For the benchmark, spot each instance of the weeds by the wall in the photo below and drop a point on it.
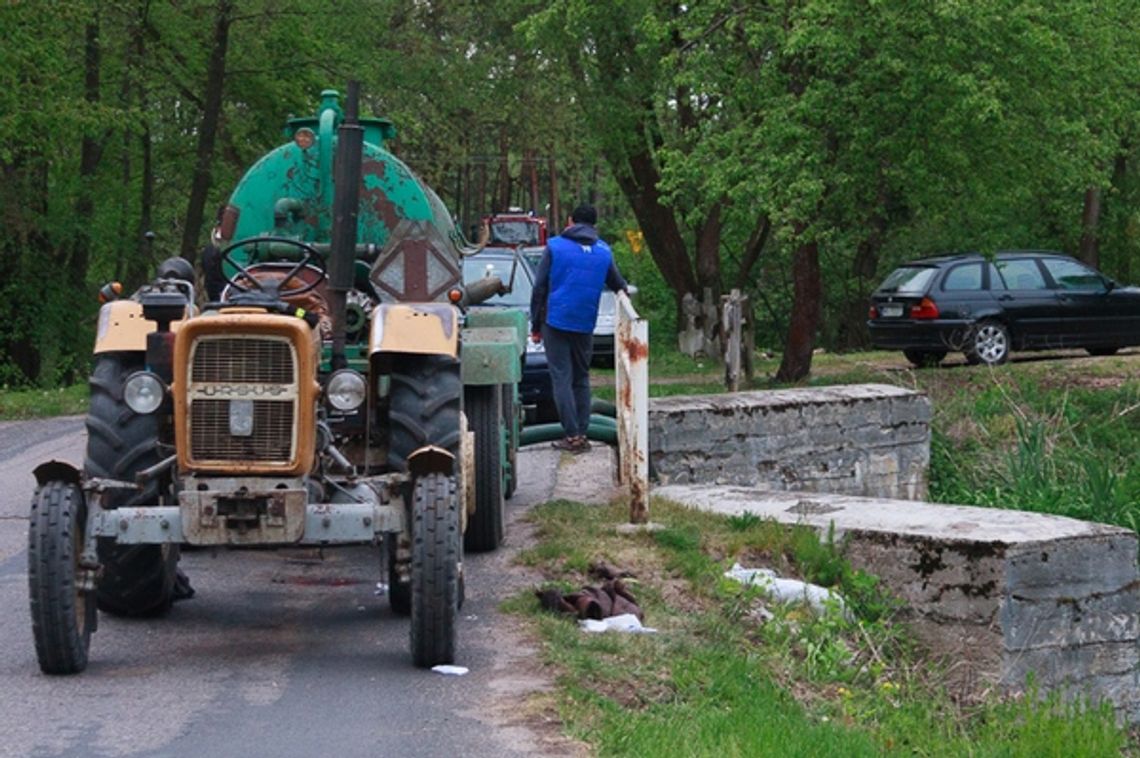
(1068, 450)
(730, 673)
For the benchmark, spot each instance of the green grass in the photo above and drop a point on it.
(36, 403)
(718, 680)
(1055, 436)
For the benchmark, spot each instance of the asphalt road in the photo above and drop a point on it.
(282, 653)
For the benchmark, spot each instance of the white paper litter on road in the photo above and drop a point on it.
(819, 599)
(448, 670)
(626, 622)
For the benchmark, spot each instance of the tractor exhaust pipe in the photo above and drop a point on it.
(346, 203)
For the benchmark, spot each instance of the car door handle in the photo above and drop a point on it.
(1005, 297)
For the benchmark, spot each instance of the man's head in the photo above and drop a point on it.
(584, 214)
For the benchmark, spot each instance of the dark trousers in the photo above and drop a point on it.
(568, 356)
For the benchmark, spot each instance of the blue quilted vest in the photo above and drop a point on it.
(577, 276)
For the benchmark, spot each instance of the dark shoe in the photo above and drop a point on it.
(575, 445)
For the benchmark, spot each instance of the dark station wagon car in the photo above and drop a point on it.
(1024, 300)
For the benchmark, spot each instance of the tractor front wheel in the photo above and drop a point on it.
(63, 614)
(436, 569)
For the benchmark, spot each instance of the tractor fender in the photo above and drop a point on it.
(423, 328)
(430, 459)
(122, 327)
(57, 471)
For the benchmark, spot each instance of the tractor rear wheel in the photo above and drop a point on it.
(423, 407)
(511, 419)
(137, 580)
(436, 569)
(63, 615)
(485, 415)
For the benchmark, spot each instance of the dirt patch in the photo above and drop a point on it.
(521, 703)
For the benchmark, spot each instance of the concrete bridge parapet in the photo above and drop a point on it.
(868, 439)
(1003, 595)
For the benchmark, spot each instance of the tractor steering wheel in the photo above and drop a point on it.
(246, 281)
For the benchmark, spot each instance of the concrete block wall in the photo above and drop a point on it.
(1000, 595)
(870, 439)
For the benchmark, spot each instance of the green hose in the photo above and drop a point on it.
(601, 429)
(603, 407)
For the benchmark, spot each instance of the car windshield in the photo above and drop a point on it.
(911, 280)
(476, 267)
(514, 233)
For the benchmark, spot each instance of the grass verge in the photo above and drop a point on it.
(39, 403)
(730, 673)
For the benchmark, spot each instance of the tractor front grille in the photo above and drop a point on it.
(258, 360)
(243, 397)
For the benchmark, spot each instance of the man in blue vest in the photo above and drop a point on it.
(564, 308)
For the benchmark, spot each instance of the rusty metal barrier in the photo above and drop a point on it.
(631, 364)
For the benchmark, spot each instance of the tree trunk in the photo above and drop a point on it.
(752, 250)
(851, 333)
(555, 217)
(1090, 219)
(207, 131)
(91, 153)
(145, 235)
(532, 169)
(708, 253)
(26, 255)
(481, 191)
(503, 201)
(639, 178)
(470, 213)
(1123, 259)
(807, 296)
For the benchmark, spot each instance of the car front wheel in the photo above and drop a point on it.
(989, 344)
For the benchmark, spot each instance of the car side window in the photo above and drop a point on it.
(967, 277)
(1022, 274)
(1072, 276)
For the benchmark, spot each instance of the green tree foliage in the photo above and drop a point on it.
(797, 149)
(879, 131)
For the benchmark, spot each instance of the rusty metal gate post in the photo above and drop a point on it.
(631, 361)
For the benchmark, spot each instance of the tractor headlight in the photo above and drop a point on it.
(346, 390)
(143, 392)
